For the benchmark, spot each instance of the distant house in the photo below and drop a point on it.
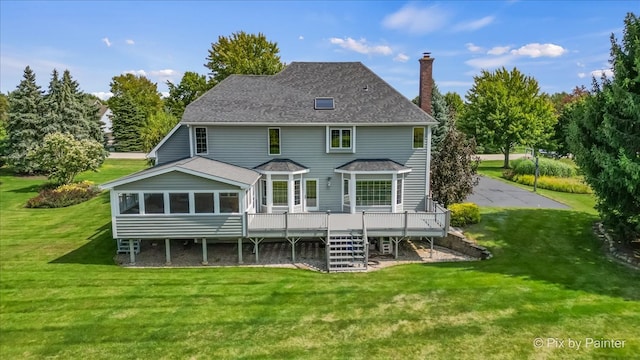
(323, 151)
(105, 117)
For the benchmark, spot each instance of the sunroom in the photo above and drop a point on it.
(373, 185)
(191, 198)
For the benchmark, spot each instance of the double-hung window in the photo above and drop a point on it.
(340, 139)
(201, 141)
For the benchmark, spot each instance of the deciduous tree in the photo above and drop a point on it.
(63, 157)
(157, 126)
(191, 86)
(243, 53)
(605, 136)
(134, 100)
(505, 108)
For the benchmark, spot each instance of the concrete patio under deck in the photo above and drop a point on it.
(310, 255)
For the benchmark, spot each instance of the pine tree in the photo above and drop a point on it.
(605, 136)
(441, 114)
(127, 123)
(25, 123)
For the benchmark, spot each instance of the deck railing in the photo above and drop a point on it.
(327, 222)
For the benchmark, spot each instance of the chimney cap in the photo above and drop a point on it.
(426, 55)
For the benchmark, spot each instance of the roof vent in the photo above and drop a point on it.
(324, 103)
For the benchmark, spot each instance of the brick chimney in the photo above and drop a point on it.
(426, 82)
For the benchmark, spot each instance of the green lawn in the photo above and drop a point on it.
(61, 296)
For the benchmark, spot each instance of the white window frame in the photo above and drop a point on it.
(341, 149)
(216, 202)
(269, 141)
(391, 197)
(413, 136)
(317, 206)
(206, 140)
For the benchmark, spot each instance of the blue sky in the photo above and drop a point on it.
(560, 43)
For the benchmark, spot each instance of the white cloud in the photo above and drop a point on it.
(498, 50)
(102, 95)
(490, 62)
(106, 41)
(300, 37)
(136, 72)
(473, 48)
(581, 75)
(416, 20)
(579, 64)
(401, 57)
(535, 50)
(130, 42)
(163, 73)
(474, 25)
(598, 73)
(454, 83)
(361, 46)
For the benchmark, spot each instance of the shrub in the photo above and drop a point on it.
(64, 195)
(568, 185)
(463, 214)
(547, 167)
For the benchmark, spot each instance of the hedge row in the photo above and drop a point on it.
(547, 167)
(568, 185)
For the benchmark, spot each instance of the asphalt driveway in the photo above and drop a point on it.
(495, 193)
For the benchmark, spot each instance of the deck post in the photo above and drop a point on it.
(240, 250)
(256, 242)
(167, 251)
(326, 247)
(132, 253)
(293, 242)
(431, 252)
(205, 257)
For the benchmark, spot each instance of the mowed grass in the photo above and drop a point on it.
(61, 296)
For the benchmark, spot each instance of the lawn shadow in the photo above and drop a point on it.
(554, 246)
(98, 251)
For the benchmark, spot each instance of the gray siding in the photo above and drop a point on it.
(247, 146)
(175, 148)
(178, 227)
(175, 181)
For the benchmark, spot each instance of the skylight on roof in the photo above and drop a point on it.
(324, 103)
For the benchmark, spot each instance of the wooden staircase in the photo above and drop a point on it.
(347, 252)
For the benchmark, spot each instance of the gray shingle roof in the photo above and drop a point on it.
(360, 96)
(373, 165)
(281, 165)
(198, 166)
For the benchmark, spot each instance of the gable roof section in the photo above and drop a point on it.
(154, 152)
(197, 166)
(360, 97)
(373, 166)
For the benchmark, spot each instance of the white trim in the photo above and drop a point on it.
(190, 131)
(269, 141)
(346, 124)
(341, 149)
(206, 140)
(167, 203)
(164, 139)
(265, 172)
(304, 191)
(428, 166)
(404, 171)
(111, 185)
(114, 212)
(413, 129)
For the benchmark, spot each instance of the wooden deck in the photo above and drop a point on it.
(324, 225)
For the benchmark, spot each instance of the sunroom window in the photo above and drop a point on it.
(179, 203)
(280, 193)
(129, 203)
(154, 203)
(204, 203)
(229, 203)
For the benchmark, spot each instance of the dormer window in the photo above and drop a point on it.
(324, 103)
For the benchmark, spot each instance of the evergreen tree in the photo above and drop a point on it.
(4, 115)
(605, 136)
(134, 100)
(441, 114)
(25, 123)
